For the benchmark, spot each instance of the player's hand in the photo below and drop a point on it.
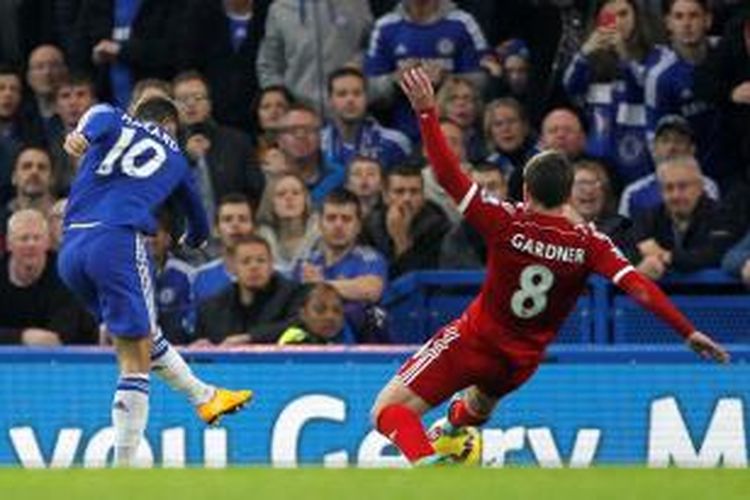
(600, 39)
(415, 82)
(741, 93)
(652, 266)
(491, 63)
(707, 348)
(236, 340)
(106, 51)
(75, 144)
(197, 146)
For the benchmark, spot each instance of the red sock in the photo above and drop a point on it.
(404, 428)
(459, 414)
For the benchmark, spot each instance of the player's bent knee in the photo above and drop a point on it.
(133, 354)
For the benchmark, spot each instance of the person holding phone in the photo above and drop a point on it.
(606, 79)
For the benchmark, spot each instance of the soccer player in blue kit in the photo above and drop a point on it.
(129, 166)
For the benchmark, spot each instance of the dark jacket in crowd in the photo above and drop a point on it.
(151, 50)
(427, 230)
(707, 238)
(463, 248)
(231, 162)
(207, 46)
(621, 231)
(272, 311)
(726, 68)
(45, 304)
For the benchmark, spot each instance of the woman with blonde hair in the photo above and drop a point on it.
(288, 221)
(459, 101)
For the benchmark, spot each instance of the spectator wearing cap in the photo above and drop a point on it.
(674, 137)
(511, 74)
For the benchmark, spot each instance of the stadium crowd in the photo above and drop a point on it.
(308, 157)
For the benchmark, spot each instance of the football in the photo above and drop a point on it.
(464, 445)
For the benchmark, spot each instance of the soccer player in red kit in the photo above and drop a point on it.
(537, 266)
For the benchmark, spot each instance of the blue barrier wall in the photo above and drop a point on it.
(584, 407)
(421, 302)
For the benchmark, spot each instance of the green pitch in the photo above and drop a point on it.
(354, 484)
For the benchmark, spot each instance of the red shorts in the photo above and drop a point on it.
(453, 360)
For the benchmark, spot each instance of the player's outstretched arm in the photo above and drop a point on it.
(649, 295)
(418, 89)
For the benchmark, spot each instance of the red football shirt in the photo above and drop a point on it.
(537, 264)
(537, 267)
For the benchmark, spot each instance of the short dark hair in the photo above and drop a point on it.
(344, 72)
(189, 75)
(249, 239)
(342, 196)
(321, 286)
(549, 178)
(36, 146)
(363, 158)
(157, 110)
(404, 170)
(666, 5)
(255, 105)
(9, 69)
(233, 199)
(77, 79)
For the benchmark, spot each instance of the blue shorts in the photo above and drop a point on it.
(110, 269)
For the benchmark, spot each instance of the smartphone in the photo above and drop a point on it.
(606, 19)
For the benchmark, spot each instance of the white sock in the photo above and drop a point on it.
(129, 416)
(169, 365)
